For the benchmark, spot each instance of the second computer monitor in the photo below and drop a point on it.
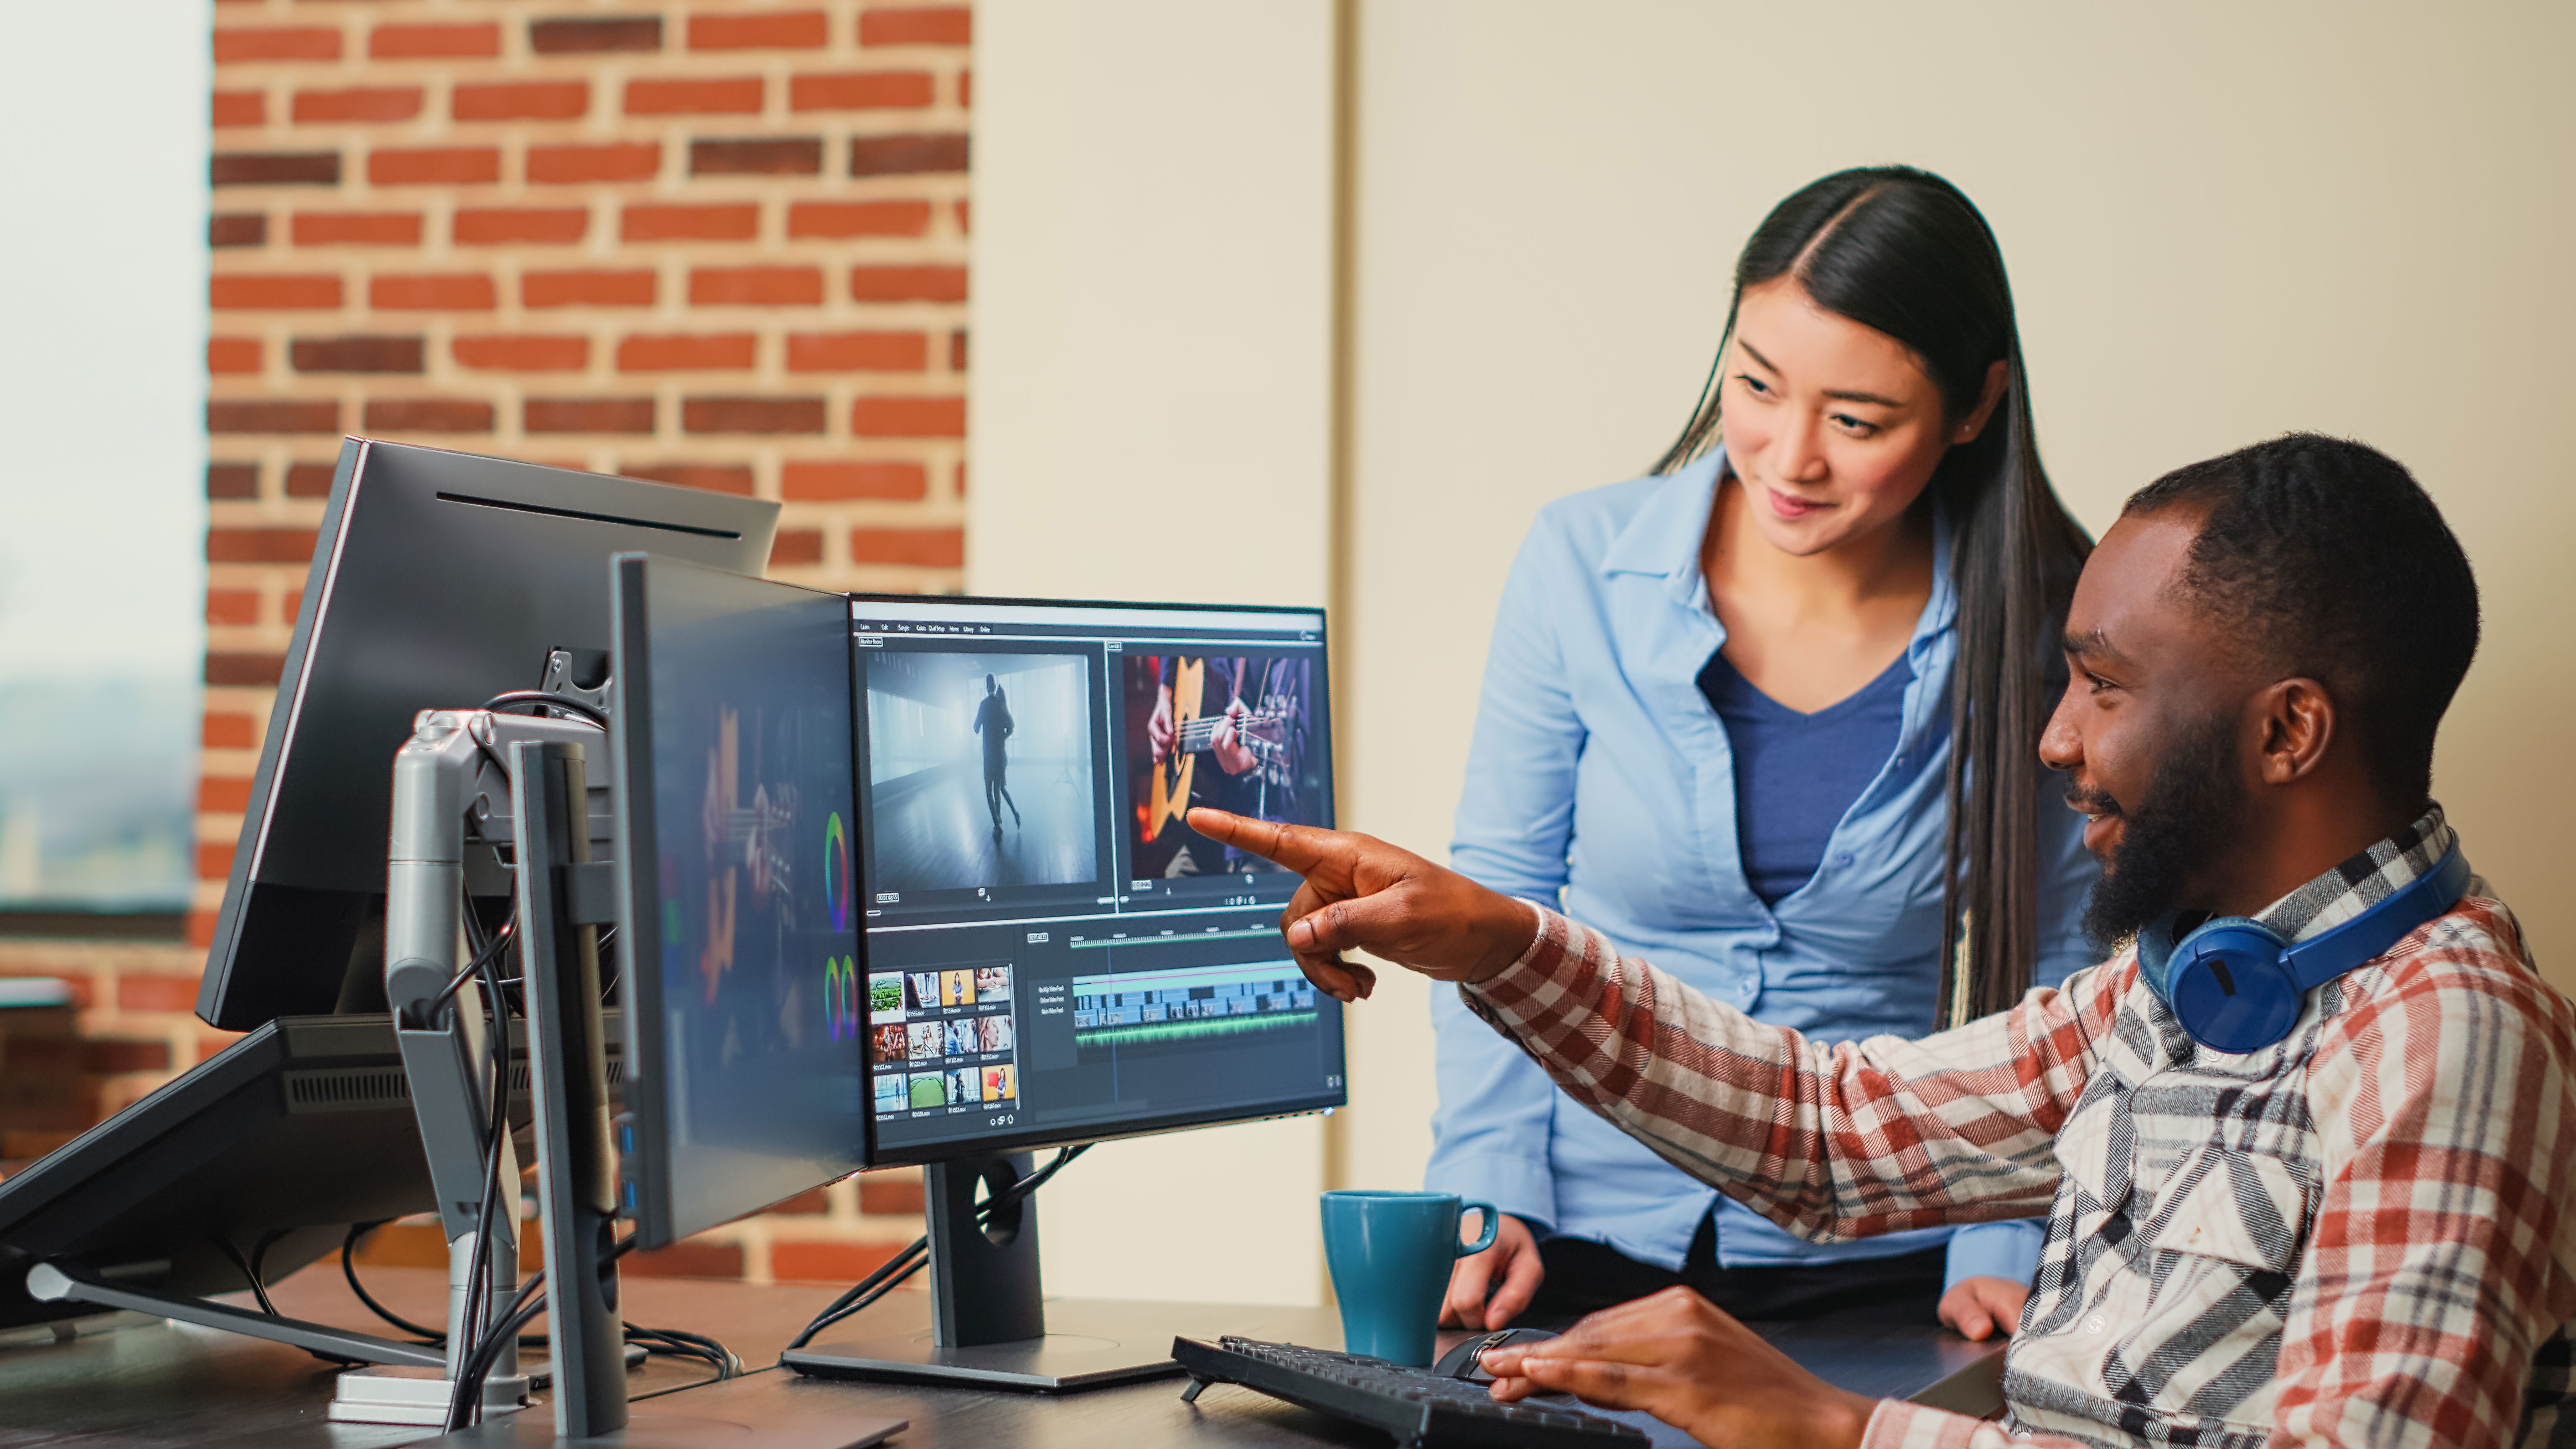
(1052, 954)
(739, 952)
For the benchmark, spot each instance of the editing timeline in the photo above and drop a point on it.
(1049, 946)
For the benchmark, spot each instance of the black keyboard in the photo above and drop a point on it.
(1423, 1410)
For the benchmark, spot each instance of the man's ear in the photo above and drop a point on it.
(2294, 723)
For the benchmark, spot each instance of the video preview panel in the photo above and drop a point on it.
(981, 772)
(1228, 731)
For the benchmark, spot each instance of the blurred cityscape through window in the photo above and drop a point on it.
(102, 452)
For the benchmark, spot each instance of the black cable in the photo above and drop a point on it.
(259, 1265)
(892, 1273)
(673, 1343)
(349, 1270)
(520, 698)
(486, 955)
(479, 1277)
(250, 1276)
(862, 1295)
(609, 968)
(870, 1299)
(901, 1268)
(697, 1341)
(464, 1404)
(468, 1390)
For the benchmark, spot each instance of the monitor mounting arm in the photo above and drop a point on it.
(451, 807)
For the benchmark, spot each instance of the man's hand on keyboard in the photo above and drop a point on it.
(1679, 1358)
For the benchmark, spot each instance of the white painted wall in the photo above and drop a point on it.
(1149, 419)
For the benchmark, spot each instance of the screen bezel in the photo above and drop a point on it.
(644, 1178)
(1039, 1138)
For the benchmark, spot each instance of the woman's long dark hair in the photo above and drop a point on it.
(1906, 253)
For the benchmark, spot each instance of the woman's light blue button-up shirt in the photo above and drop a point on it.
(1599, 778)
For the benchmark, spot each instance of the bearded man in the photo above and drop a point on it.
(2305, 1141)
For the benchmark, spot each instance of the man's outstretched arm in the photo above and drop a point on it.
(1838, 1141)
(1851, 1140)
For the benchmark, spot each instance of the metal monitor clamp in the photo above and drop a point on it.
(454, 820)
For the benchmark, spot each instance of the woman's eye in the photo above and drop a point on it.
(1857, 427)
(1754, 385)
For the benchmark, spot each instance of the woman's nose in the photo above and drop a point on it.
(1795, 454)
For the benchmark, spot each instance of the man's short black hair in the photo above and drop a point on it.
(2336, 566)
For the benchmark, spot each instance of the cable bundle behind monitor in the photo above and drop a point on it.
(894, 1271)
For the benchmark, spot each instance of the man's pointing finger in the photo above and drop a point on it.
(1295, 847)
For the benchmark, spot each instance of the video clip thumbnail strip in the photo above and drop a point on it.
(943, 1040)
(1189, 1004)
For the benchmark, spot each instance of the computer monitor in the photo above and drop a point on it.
(1052, 955)
(732, 729)
(993, 789)
(439, 580)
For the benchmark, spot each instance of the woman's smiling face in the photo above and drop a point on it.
(1834, 428)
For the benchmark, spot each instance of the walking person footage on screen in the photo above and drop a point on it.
(1721, 723)
(2305, 1138)
(993, 721)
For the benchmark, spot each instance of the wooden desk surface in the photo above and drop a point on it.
(143, 1382)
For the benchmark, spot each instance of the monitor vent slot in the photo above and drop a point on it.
(346, 1089)
(519, 1076)
(365, 1089)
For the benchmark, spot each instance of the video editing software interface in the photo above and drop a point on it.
(1051, 951)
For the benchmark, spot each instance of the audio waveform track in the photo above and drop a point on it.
(1190, 1029)
(1189, 1004)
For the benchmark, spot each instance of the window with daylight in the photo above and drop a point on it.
(102, 280)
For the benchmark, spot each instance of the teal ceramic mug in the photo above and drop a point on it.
(1389, 1253)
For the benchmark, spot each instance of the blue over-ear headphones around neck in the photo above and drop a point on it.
(2236, 986)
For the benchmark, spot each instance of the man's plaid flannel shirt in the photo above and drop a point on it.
(2361, 1235)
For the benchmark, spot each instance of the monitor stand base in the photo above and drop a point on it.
(1089, 1344)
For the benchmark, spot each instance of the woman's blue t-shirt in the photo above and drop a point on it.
(1797, 774)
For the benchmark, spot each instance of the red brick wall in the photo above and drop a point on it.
(714, 244)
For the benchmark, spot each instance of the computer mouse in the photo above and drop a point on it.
(1466, 1361)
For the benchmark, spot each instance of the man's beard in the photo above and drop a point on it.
(2190, 810)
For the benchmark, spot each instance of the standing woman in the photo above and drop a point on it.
(1769, 716)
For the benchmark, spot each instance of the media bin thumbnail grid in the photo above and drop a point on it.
(1189, 1004)
(942, 1040)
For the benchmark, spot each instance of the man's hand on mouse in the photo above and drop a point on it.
(1361, 893)
(1678, 1357)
